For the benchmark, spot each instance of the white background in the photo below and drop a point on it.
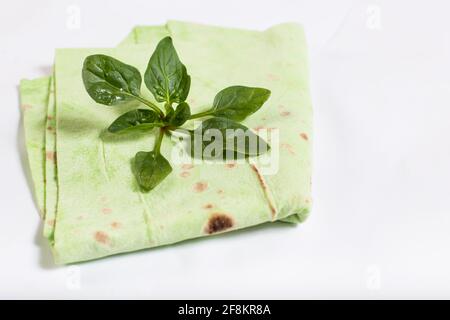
(380, 226)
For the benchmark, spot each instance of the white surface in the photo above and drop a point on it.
(380, 226)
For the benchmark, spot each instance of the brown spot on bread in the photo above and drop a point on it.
(49, 128)
(200, 186)
(51, 222)
(187, 166)
(208, 206)
(115, 225)
(259, 128)
(260, 178)
(304, 136)
(218, 222)
(288, 147)
(49, 118)
(106, 210)
(220, 191)
(101, 237)
(283, 112)
(230, 165)
(263, 184)
(50, 155)
(185, 174)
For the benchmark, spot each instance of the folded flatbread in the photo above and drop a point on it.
(83, 180)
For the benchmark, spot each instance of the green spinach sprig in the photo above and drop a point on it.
(111, 82)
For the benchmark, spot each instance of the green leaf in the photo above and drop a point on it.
(150, 169)
(237, 139)
(138, 119)
(238, 102)
(109, 81)
(166, 77)
(178, 117)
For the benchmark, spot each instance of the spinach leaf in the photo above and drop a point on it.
(138, 119)
(150, 169)
(166, 77)
(237, 140)
(238, 102)
(178, 117)
(109, 81)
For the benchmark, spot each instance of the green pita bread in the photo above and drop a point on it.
(93, 207)
(34, 97)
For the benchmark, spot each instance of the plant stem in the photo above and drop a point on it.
(151, 105)
(168, 107)
(159, 140)
(199, 115)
